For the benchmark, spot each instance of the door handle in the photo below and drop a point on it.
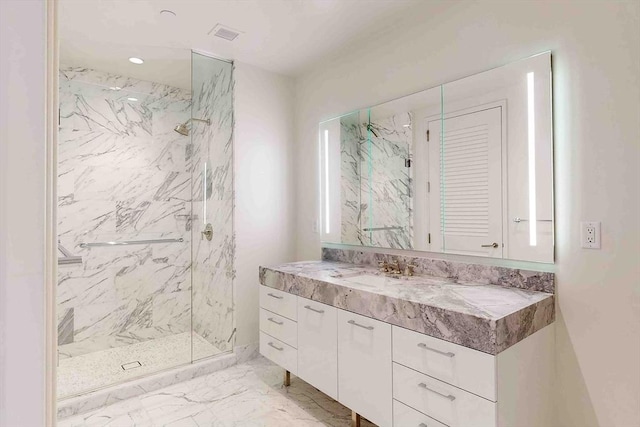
(492, 245)
(353, 322)
(308, 307)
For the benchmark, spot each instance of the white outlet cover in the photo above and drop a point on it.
(590, 234)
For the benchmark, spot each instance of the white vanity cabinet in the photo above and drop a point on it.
(318, 345)
(364, 367)
(396, 377)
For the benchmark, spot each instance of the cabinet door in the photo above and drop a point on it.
(364, 367)
(318, 345)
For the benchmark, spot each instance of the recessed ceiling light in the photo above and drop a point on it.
(132, 99)
(167, 12)
(136, 61)
(115, 88)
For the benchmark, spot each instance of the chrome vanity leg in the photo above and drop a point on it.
(355, 419)
(287, 378)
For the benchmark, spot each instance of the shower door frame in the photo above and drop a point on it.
(50, 220)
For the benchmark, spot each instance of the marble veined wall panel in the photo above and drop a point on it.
(351, 140)
(123, 174)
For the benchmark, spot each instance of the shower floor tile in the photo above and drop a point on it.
(248, 395)
(91, 371)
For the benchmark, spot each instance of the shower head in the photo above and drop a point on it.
(183, 129)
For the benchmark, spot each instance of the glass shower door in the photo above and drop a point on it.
(386, 179)
(213, 245)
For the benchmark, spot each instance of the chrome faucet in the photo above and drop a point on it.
(395, 267)
(383, 266)
(408, 269)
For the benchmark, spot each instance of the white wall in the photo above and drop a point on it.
(264, 185)
(22, 207)
(595, 47)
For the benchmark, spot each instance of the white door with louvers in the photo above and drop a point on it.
(465, 170)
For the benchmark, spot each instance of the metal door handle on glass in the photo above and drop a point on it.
(208, 232)
(492, 245)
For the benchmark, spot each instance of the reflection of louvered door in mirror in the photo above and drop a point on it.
(466, 175)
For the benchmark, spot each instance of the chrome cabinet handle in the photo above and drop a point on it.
(424, 386)
(422, 425)
(308, 307)
(275, 296)
(492, 245)
(444, 353)
(271, 319)
(353, 322)
(275, 346)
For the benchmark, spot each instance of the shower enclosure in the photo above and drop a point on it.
(145, 220)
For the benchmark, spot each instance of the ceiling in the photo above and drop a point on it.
(283, 36)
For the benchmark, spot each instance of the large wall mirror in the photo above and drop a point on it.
(462, 168)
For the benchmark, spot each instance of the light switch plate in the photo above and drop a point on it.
(590, 234)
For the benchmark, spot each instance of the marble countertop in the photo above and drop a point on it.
(489, 318)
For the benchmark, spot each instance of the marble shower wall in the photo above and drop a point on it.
(376, 182)
(123, 174)
(213, 261)
(351, 140)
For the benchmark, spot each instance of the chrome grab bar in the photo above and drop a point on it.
(68, 257)
(447, 353)
(354, 323)
(130, 242)
(449, 396)
(383, 228)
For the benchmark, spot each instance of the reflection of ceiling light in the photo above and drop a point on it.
(136, 61)
(115, 88)
(406, 126)
(166, 12)
(132, 99)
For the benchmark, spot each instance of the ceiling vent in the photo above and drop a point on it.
(224, 32)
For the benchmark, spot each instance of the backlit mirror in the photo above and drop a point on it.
(463, 168)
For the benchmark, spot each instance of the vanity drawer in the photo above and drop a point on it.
(463, 367)
(278, 352)
(441, 401)
(282, 303)
(279, 327)
(404, 416)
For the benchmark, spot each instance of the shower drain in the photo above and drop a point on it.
(131, 365)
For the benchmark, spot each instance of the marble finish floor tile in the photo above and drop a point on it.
(248, 395)
(91, 371)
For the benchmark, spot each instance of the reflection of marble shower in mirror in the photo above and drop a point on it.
(183, 129)
(463, 173)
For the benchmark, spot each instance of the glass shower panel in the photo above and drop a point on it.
(213, 245)
(124, 186)
(386, 178)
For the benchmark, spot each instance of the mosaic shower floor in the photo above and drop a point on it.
(91, 371)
